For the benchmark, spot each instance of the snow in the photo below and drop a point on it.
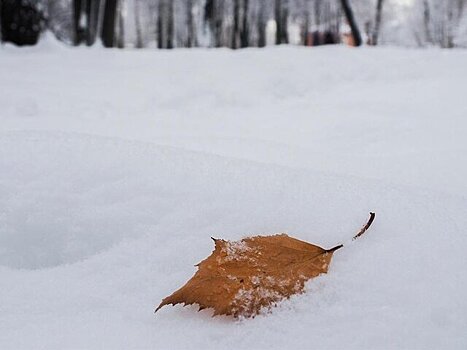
(116, 168)
(236, 250)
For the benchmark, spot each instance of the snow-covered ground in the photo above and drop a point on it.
(116, 167)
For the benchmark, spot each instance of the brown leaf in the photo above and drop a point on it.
(241, 278)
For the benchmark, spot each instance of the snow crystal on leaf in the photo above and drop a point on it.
(236, 250)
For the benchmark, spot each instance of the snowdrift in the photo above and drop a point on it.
(117, 167)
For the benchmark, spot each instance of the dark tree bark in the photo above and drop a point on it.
(139, 32)
(160, 25)
(209, 16)
(213, 16)
(427, 21)
(20, 22)
(121, 28)
(77, 12)
(236, 25)
(191, 40)
(305, 27)
(165, 25)
(240, 32)
(92, 10)
(352, 22)
(209, 11)
(281, 17)
(261, 25)
(85, 31)
(170, 25)
(449, 42)
(1, 22)
(108, 25)
(245, 32)
(278, 20)
(377, 28)
(219, 24)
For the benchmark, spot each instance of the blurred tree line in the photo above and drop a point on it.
(235, 24)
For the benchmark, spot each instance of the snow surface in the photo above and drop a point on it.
(116, 167)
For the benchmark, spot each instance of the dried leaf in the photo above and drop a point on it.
(241, 278)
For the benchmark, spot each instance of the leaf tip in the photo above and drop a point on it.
(158, 308)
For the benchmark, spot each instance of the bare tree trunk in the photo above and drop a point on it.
(121, 27)
(165, 24)
(108, 25)
(213, 16)
(236, 25)
(139, 33)
(92, 10)
(209, 16)
(449, 42)
(454, 16)
(85, 20)
(357, 38)
(219, 23)
(285, 22)
(427, 21)
(281, 19)
(245, 32)
(170, 25)
(160, 25)
(261, 25)
(305, 30)
(277, 18)
(240, 32)
(191, 34)
(376, 29)
(77, 30)
(1, 21)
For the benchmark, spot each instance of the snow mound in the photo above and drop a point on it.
(107, 199)
(142, 215)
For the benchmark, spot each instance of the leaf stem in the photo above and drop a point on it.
(361, 232)
(366, 227)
